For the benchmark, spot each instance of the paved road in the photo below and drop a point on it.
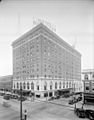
(6, 113)
(39, 110)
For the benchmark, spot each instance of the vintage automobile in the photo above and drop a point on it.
(23, 98)
(71, 102)
(51, 98)
(89, 114)
(79, 98)
(7, 97)
(80, 112)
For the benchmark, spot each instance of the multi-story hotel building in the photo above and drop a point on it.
(45, 64)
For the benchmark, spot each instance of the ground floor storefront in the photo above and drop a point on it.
(88, 98)
(47, 93)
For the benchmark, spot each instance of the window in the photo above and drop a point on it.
(45, 86)
(20, 85)
(32, 86)
(56, 85)
(93, 76)
(45, 75)
(14, 86)
(67, 85)
(63, 84)
(86, 77)
(37, 87)
(17, 85)
(27, 85)
(50, 87)
(60, 85)
(24, 85)
(87, 88)
(37, 76)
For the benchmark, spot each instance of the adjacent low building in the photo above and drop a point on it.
(45, 64)
(88, 85)
(6, 83)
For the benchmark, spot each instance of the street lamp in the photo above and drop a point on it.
(20, 102)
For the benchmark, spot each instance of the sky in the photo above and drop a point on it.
(73, 20)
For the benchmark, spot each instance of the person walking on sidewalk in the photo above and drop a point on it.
(25, 115)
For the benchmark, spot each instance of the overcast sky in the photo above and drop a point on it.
(73, 20)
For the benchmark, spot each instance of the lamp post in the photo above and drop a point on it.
(20, 102)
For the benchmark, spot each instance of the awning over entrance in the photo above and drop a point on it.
(24, 92)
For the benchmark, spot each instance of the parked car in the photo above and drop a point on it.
(14, 96)
(80, 112)
(23, 98)
(79, 98)
(7, 97)
(71, 102)
(66, 95)
(2, 93)
(75, 100)
(51, 98)
(89, 114)
(57, 97)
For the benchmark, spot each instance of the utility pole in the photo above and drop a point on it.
(20, 102)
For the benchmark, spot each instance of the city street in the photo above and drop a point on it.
(40, 110)
(7, 113)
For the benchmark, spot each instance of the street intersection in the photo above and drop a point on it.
(39, 110)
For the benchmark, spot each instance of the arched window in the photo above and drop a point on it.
(67, 85)
(63, 84)
(93, 76)
(55, 85)
(20, 85)
(45, 86)
(17, 85)
(50, 85)
(24, 85)
(27, 85)
(60, 85)
(32, 86)
(86, 77)
(37, 85)
(14, 86)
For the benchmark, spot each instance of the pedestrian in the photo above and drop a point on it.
(25, 115)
